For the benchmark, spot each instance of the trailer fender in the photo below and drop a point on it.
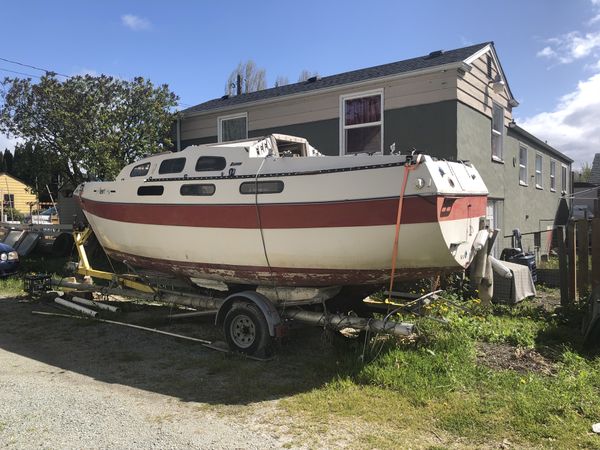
(263, 303)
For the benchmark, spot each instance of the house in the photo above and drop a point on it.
(454, 104)
(16, 194)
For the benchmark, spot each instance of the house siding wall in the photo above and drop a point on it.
(313, 108)
(22, 193)
(429, 128)
(524, 207)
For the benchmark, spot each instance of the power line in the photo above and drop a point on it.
(19, 73)
(33, 67)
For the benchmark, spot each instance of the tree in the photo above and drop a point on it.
(253, 79)
(88, 125)
(306, 74)
(281, 80)
(585, 173)
(35, 167)
(7, 163)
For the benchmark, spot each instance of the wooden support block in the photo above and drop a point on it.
(571, 261)
(563, 267)
(583, 253)
(595, 253)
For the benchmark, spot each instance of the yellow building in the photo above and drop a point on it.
(15, 193)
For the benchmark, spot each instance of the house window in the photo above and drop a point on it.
(563, 186)
(362, 122)
(494, 215)
(523, 166)
(553, 176)
(173, 165)
(232, 128)
(538, 172)
(9, 200)
(497, 132)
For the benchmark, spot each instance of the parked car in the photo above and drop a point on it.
(9, 260)
(46, 217)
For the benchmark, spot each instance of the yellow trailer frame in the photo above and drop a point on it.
(84, 267)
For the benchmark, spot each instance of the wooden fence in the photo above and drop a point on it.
(579, 259)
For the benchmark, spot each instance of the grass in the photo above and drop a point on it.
(432, 392)
(436, 387)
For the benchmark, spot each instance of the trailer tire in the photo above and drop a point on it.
(246, 330)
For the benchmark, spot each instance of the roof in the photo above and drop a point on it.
(14, 178)
(595, 175)
(526, 134)
(432, 60)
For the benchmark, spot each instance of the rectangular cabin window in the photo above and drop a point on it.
(497, 132)
(362, 122)
(233, 127)
(173, 165)
(264, 187)
(151, 190)
(553, 176)
(197, 189)
(210, 163)
(523, 166)
(140, 170)
(538, 172)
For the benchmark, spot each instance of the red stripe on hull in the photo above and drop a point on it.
(281, 276)
(306, 215)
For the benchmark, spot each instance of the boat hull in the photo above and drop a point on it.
(329, 220)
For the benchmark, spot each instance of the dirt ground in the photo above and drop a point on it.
(68, 383)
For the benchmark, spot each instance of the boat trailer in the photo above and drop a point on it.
(250, 320)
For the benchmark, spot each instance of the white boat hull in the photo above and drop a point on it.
(334, 222)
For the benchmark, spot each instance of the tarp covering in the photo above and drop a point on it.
(515, 289)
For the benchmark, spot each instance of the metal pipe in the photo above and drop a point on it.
(76, 307)
(196, 301)
(339, 322)
(130, 325)
(98, 305)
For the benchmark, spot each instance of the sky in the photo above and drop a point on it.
(549, 49)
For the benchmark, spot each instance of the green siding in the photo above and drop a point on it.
(525, 207)
(428, 128)
(323, 135)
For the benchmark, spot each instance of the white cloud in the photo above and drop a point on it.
(136, 23)
(546, 51)
(594, 19)
(572, 126)
(572, 46)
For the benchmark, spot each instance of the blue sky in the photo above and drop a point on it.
(550, 50)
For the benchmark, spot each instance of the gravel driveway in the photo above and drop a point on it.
(67, 383)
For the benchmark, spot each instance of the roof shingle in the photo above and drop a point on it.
(395, 68)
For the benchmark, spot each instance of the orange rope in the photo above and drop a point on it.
(407, 169)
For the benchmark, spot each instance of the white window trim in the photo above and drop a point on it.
(565, 179)
(552, 189)
(500, 158)
(539, 186)
(521, 182)
(343, 126)
(220, 120)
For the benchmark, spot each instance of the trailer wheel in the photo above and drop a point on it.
(246, 329)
